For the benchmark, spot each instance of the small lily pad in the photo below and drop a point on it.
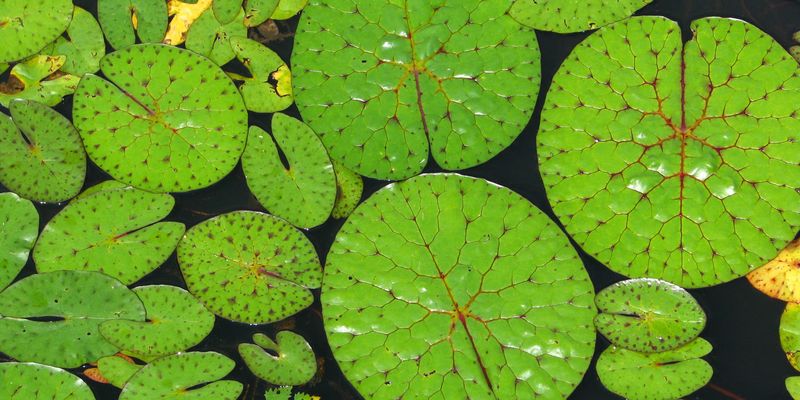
(288, 8)
(349, 187)
(58, 315)
(35, 79)
(249, 267)
(31, 381)
(183, 16)
(793, 387)
(780, 278)
(117, 370)
(304, 191)
(225, 10)
(790, 333)
(567, 16)
(41, 153)
(288, 360)
(85, 46)
(115, 232)
(655, 376)
(258, 11)
(269, 89)
(285, 393)
(122, 20)
(27, 26)
(211, 38)
(19, 226)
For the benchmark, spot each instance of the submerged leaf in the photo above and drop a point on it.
(122, 20)
(288, 8)
(790, 333)
(27, 26)
(85, 46)
(292, 364)
(19, 226)
(31, 381)
(567, 16)
(183, 16)
(211, 38)
(780, 278)
(349, 187)
(270, 87)
(37, 79)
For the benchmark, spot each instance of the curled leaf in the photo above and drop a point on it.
(37, 79)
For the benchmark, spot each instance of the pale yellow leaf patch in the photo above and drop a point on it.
(183, 16)
(780, 278)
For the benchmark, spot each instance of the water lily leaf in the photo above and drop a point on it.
(122, 20)
(567, 16)
(448, 284)
(27, 26)
(225, 10)
(780, 278)
(790, 333)
(459, 78)
(36, 79)
(666, 375)
(41, 153)
(258, 11)
(183, 16)
(303, 192)
(285, 393)
(175, 322)
(349, 187)
(288, 8)
(19, 226)
(249, 267)
(151, 127)
(31, 381)
(648, 315)
(695, 186)
(109, 185)
(85, 46)
(269, 89)
(58, 314)
(175, 377)
(211, 38)
(115, 232)
(117, 370)
(288, 360)
(793, 386)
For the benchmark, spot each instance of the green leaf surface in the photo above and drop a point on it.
(258, 11)
(117, 20)
(27, 26)
(249, 267)
(85, 46)
(655, 376)
(117, 370)
(151, 126)
(304, 191)
(672, 161)
(288, 8)
(285, 393)
(116, 232)
(36, 79)
(225, 11)
(349, 187)
(41, 153)
(269, 88)
(175, 322)
(58, 313)
(448, 285)
(30, 381)
(793, 386)
(109, 185)
(288, 360)
(19, 227)
(790, 333)
(386, 82)
(211, 38)
(567, 16)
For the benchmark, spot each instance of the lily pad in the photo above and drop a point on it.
(183, 17)
(211, 38)
(123, 20)
(117, 370)
(285, 393)
(790, 333)
(459, 80)
(793, 386)
(103, 186)
(58, 313)
(258, 11)
(648, 315)
(349, 187)
(178, 377)
(225, 10)
(303, 191)
(447, 284)
(269, 89)
(249, 267)
(30, 381)
(27, 26)
(780, 278)
(288, 8)
(655, 376)
(85, 46)
(567, 16)
(36, 79)
(665, 161)
(175, 322)
(41, 153)
(288, 360)
(151, 127)
(116, 232)
(19, 226)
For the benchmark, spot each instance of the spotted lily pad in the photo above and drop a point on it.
(448, 284)
(103, 186)
(673, 161)
(225, 10)
(27, 26)
(124, 20)
(175, 322)
(288, 360)
(36, 79)
(648, 315)
(349, 187)
(85, 46)
(258, 11)
(269, 88)
(780, 278)
(31, 381)
(793, 387)
(19, 226)
(249, 267)
(117, 370)
(666, 375)
(790, 333)
(41, 153)
(211, 38)
(458, 79)
(58, 314)
(303, 192)
(285, 393)
(183, 16)
(116, 232)
(151, 126)
(567, 16)
(288, 8)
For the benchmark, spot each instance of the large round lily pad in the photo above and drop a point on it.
(58, 315)
(566, 16)
(166, 120)
(385, 83)
(780, 278)
(445, 284)
(674, 161)
(249, 267)
(292, 364)
(790, 333)
(30, 381)
(27, 26)
(19, 227)
(85, 46)
(124, 20)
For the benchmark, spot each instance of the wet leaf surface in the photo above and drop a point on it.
(19, 227)
(84, 46)
(780, 278)
(125, 20)
(288, 360)
(27, 26)
(269, 88)
(30, 381)
(567, 16)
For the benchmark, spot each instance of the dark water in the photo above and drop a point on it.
(743, 324)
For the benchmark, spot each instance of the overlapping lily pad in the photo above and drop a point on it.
(167, 119)
(674, 161)
(349, 187)
(288, 8)
(288, 360)
(36, 79)
(125, 20)
(567, 16)
(19, 227)
(27, 26)
(258, 11)
(285, 393)
(211, 38)
(269, 88)
(385, 83)
(225, 10)
(184, 15)
(780, 278)
(30, 381)
(249, 267)
(85, 46)
(117, 370)
(447, 284)
(790, 333)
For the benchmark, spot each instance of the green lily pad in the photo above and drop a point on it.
(27, 26)
(648, 315)
(790, 333)
(35, 79)
(175, 377)
(117, 370)
(123, 20)
(226, 10)
(269, 89)
(303, 192)
(175, 322)
(793, 386)
(349, 187)
(258, 11)
(30, 381)
(567, 16)
(109, 185)
(448, 284)
(695, 186)
(249, 267)
(211, 38)
(58, 314)
(115, 232)
(285, 393)
(288, 360)
(458, 80)
(655, 376)
(85, 46)
(152, 128)
(41, 153)
(288, 8)
(19, 227)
